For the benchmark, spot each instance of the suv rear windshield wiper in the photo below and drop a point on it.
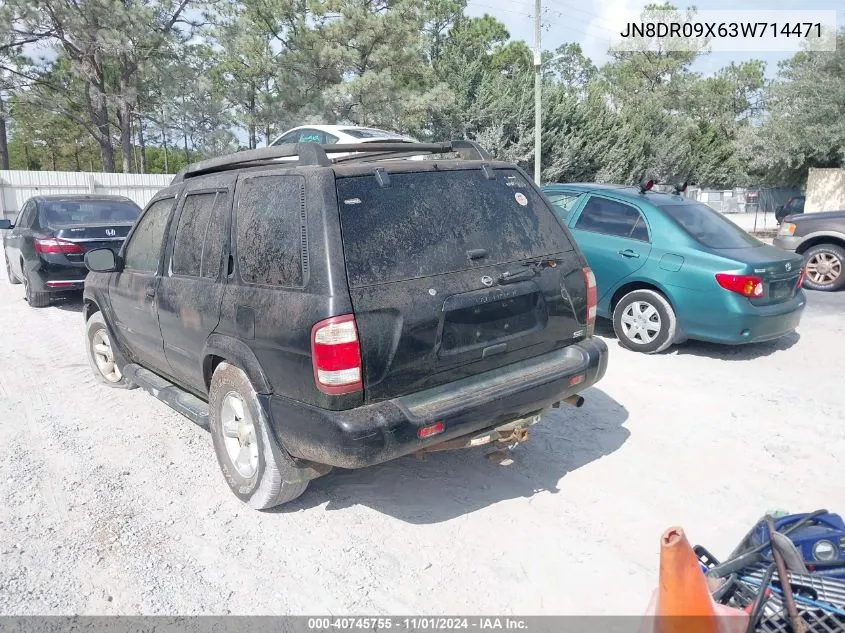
(534, 269)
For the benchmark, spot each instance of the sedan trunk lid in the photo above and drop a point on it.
(779, 271)
(90, 236)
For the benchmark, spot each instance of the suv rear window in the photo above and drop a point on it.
(708, 227)
(423, 223)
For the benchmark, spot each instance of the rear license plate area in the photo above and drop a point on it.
(783, 289)
(482, 325)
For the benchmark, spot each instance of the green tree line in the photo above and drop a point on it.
(148, 85)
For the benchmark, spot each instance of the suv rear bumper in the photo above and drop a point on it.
(377, 433)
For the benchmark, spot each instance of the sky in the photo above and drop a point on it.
(588, 24)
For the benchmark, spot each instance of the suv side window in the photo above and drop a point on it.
(610, 217)
(216, 236)
(271, 237)
(143, 250)
(198, 244)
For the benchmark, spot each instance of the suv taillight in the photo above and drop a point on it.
(53, 245)
(592, 295)
(336, 355)
(745, 285)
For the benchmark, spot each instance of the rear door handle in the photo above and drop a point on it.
(629, 253)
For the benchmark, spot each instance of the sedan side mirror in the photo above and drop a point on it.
(102, 260)
(6, 224)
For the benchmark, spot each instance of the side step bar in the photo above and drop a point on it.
(177, 399)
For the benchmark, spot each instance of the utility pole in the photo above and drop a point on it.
(538, 95)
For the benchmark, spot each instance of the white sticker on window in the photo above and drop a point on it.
(521, 199)
(352, 201)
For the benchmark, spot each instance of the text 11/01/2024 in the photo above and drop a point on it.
(421, 623)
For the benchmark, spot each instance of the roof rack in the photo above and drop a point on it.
(315, 154)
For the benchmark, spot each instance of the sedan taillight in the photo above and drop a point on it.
(745, 285)
(53, 245)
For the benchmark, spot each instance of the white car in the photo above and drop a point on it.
(339, 134)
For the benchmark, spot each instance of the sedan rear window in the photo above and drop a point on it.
(564, 202)
(708, 227)
(64, 212)
(426, 223)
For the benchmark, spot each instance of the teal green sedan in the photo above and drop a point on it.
(670, 269)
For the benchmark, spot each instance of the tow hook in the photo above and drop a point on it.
(514, 439)
(511, 435)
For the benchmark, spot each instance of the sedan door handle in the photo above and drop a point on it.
(629, 253)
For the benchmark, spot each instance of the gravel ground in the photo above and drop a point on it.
(110, 503)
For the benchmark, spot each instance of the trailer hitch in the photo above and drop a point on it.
(512, 434)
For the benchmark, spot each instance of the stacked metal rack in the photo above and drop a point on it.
(812, 600)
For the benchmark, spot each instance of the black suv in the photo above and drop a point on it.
(317, 313)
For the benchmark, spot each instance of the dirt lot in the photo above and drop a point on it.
(111, 503)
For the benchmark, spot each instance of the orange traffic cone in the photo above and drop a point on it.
(683, 603)
(683, 598)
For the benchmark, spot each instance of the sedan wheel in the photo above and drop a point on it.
(644, 321)
(641, 322)
(823, 266)
(10, 274)
(34, 298)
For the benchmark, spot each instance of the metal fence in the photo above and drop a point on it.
(762, 201)
(16, 187)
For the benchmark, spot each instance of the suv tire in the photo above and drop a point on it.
(98, 346)
(832, 258)
(12, 279)
(644, 321)
(256, 468)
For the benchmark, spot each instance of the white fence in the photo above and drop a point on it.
(16, 187)
(762, 201)
(724, 201)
